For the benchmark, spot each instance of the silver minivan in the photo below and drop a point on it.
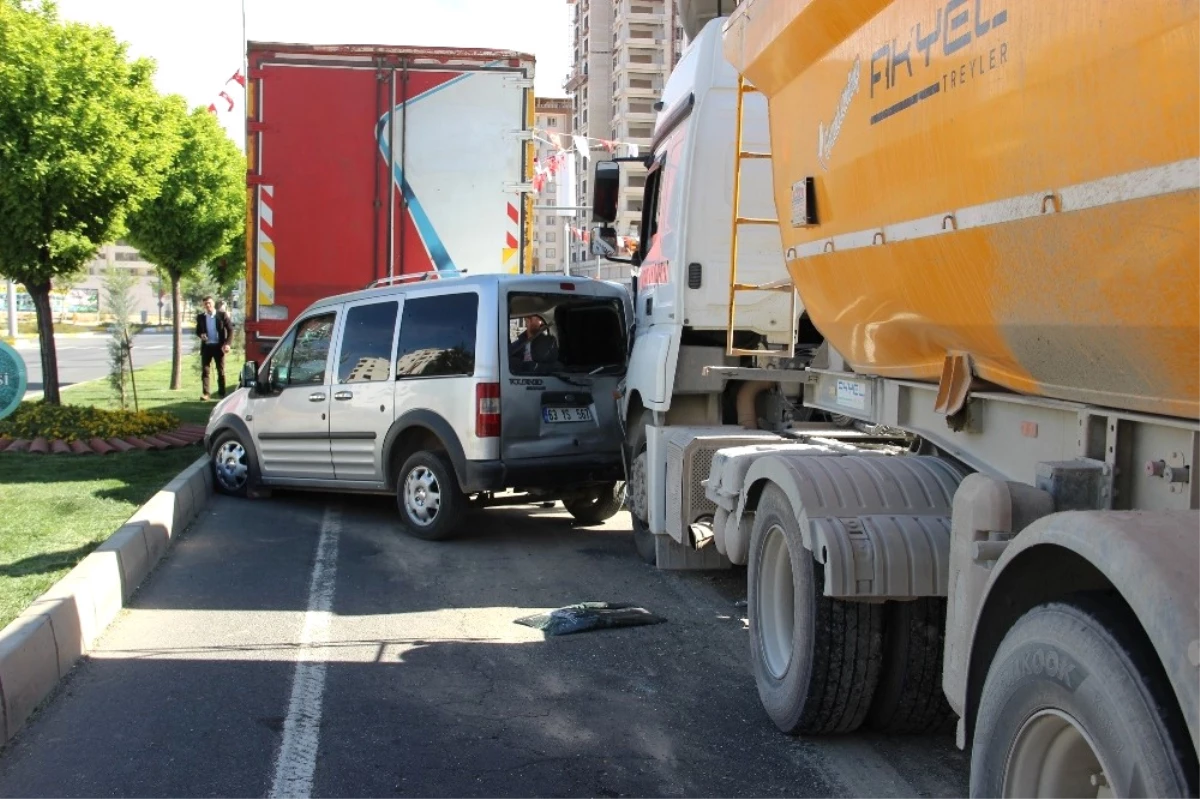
(445, 392)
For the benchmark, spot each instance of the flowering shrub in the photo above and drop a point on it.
(81, 422)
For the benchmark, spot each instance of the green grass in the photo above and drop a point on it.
(55, 509)
(58, 508)
(153, 389)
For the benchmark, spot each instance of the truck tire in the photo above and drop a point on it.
(598, 507)
(635, 452)
(1076, 702)
(909, 698)
(816, 660)
(428, 497)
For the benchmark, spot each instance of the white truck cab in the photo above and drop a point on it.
(681, 270)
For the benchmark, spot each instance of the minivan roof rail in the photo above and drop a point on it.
(415, 276)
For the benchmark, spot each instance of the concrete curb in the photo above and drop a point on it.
(41, 645)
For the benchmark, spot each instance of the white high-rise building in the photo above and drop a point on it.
(551, 230)
(623, 52)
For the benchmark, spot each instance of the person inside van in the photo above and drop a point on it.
(536, 345)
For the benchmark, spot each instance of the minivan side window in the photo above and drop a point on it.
(366, 354)
(311, 350)
(437, 336)
(280, 363)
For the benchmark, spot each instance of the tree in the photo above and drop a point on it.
(197, 212)
(120, 302)
(81, 144)
(229, 267)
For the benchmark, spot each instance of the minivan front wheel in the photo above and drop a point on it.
(234, 469)
(428, 497)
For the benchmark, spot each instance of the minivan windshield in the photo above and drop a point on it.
(552, 333)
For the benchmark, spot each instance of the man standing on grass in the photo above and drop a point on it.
(215, 330)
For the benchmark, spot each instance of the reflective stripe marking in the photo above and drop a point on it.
(1138, 185)
(266, 246)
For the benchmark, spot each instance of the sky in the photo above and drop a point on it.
(198, 45)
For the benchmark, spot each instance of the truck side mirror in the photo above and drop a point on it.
(604, 242)
(606, 185)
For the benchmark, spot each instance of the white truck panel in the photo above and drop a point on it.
(460, 179)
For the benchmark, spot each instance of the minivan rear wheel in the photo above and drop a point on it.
(428, 497)
(598, 505)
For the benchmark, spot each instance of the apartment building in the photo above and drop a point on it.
(151, 293)
(623, 52)
(551, 229)
(83, 299)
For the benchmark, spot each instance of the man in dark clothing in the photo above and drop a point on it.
(215, 330)
(534, 346)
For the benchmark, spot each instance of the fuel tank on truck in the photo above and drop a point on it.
(1016, 180)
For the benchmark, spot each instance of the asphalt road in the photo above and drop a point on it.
(298, 645)
(83, 358)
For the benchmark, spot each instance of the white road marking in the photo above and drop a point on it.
(297, 759)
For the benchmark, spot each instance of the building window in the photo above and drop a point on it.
(550, 236)
(552, 122)
(550, 252)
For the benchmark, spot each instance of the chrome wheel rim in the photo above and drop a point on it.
(230, 465)
(422, 496)
(1053, 756)
(776, 603)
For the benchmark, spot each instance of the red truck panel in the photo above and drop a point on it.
(319, 172)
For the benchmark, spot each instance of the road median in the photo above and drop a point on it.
(48, 638)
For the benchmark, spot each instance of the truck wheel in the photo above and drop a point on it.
(596, 508)
(1076, 703)
(428, 497)
(909, 697)
(635, 451)
(816, 660)
(235, 471)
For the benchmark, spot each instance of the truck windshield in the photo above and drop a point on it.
(551, 333)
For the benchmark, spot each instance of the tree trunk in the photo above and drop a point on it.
(177, 324)
(40, 292)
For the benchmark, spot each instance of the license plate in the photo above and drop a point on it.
(567, 414)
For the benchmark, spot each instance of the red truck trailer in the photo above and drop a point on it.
(369, 162)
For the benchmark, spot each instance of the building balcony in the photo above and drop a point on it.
(576, 78)
(623, 67)
(650, 93)
(624, 13)
(634, 116)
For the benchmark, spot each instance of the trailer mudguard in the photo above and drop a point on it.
(880, 525)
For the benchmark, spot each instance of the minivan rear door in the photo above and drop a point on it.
(563, 404)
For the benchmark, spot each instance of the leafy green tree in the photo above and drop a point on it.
(229, 267)
(81, 144)
(198, 211)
